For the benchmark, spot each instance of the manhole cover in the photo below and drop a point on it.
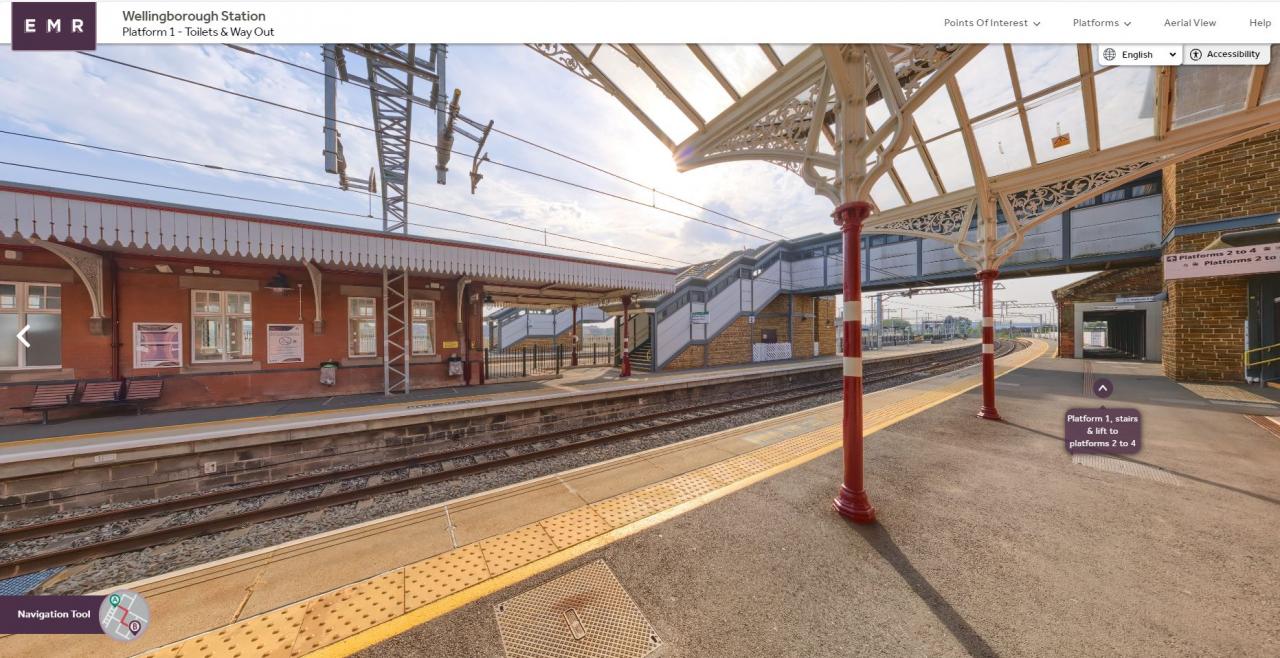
(585, 612)
(1126, 467)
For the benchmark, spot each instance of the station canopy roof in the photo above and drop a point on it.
(30, 213)
(1027, 108)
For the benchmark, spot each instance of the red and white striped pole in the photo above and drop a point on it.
(988, 411)
(852, 503)
(626, 336)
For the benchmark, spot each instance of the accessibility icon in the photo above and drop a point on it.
(1103, 387)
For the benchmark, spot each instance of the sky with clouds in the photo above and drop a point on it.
(70, 96)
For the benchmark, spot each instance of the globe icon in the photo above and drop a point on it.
(1109, 54)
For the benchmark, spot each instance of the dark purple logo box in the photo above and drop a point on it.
(55, 26)
(1103, 430)
(49, 615)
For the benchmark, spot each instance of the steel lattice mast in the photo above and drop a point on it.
(392, 71)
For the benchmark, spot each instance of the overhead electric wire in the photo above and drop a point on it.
(430, 145)
(538, 174)
(529, 142)
(420, 142)
(313, 208)
(290, 179)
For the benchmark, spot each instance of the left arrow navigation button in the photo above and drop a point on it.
(22, 336)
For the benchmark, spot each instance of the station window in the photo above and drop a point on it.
(1143, 189)
(362, 327)
(221, 326)
(424, 326)
(40, 306)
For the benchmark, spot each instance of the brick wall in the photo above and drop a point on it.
(1204, 318)
(148, 296)
(1101, 287)
(733, 345)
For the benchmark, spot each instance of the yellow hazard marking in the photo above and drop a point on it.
(355, 617)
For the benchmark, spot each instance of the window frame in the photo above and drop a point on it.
(414, 321)
(351, 327)
(225, 318)
(21, 292)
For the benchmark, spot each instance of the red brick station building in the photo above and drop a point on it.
(231, 308)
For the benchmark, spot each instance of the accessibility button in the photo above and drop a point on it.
(1226, 55)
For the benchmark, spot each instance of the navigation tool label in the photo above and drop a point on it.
(1103, 430)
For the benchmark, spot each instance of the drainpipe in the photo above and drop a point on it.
(462, 331)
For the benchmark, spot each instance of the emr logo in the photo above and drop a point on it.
(55, 26)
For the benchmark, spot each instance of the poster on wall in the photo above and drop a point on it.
(157, 345)
(284, 343)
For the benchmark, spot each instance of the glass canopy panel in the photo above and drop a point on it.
(914, 176)
(744, 65)
(951, 161)
(936, 116)
(1040, 67)
(1001, 143)
(1057, 124)
(1126, 104)
(644, 93)
(1271, 84)
(691, 79)
(885, 194)
(984, 82)
(877, 113)
(1205, 92)
(788, 51)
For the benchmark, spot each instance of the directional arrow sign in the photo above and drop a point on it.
(22, 334)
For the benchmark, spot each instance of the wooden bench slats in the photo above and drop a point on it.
(97, 392)
(144, 389)
(52, 395)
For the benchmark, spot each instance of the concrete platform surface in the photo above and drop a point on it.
(990, 541)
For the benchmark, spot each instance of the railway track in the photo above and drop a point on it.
(263, 502)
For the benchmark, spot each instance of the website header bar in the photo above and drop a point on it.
(482, 21)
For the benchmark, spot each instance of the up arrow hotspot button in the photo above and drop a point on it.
(22, 336)
(1103, 387)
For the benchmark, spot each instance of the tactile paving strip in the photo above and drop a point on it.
(271, 634)
(585, 613)
(575, 526)
(349, 610)
(516, 548)
(442, 575)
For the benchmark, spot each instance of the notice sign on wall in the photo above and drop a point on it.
(1232, 261)
(700, 317)
(284, 343)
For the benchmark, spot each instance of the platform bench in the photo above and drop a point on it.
(50, 396)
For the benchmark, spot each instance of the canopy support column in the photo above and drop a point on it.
(626, 336)
(852, 503)
(573, 350)
(988, 411)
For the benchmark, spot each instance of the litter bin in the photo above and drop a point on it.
(455, 365)
(329, 373)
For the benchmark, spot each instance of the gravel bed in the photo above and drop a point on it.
(106, 572)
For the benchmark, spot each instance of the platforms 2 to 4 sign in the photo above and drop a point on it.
(1232, 261)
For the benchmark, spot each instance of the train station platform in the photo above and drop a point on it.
(991, 539)
(126, 431)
